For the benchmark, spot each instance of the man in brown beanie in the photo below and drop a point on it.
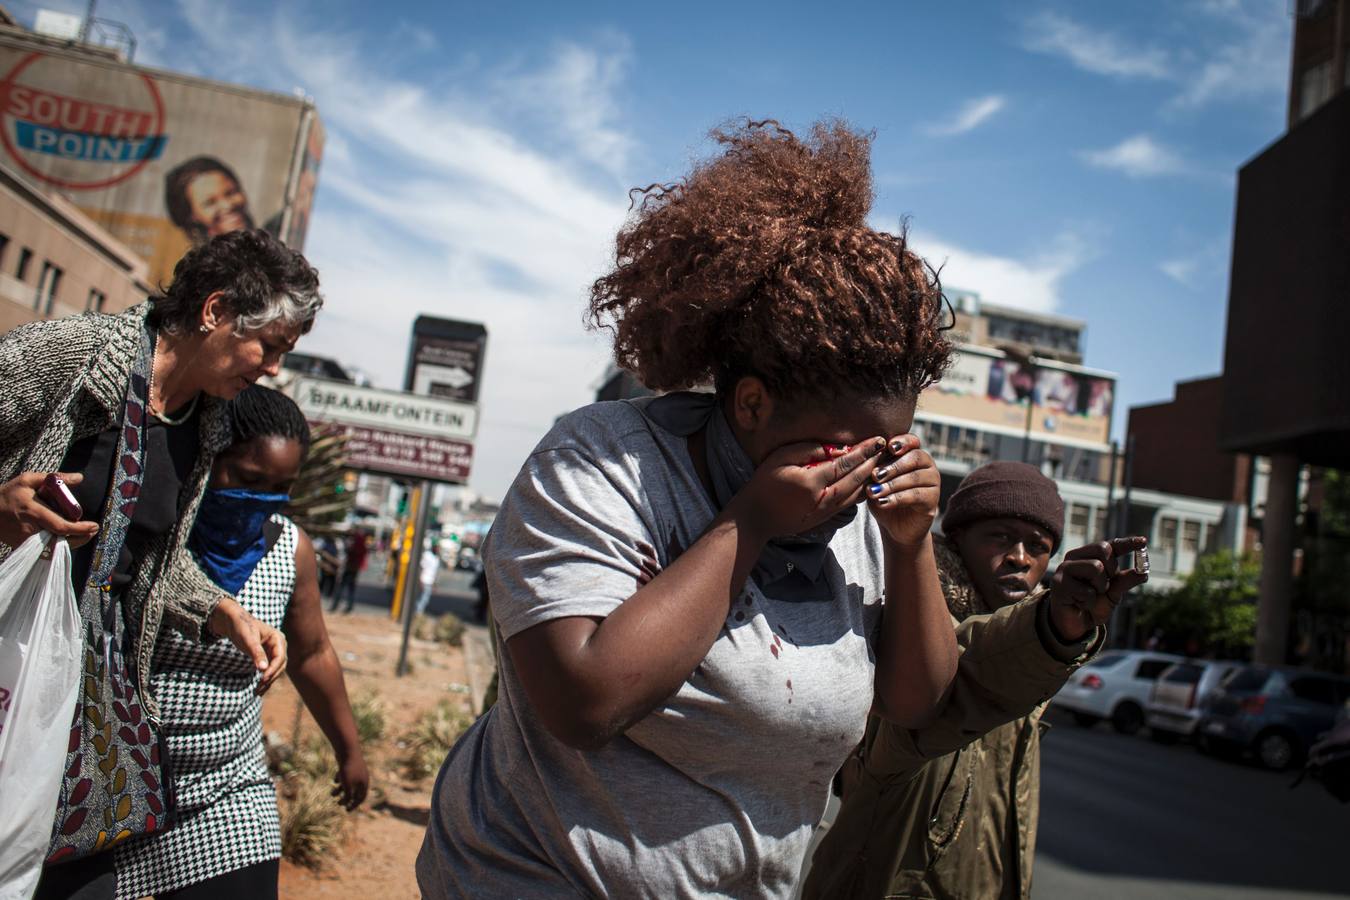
(950, 811)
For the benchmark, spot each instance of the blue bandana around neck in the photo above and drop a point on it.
(228, 538)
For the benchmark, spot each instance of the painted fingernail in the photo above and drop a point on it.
(882, 501)
(881, 473)
(879, 445)
(874, 488)
(897, 445)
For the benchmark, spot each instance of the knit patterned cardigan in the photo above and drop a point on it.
(65, 380)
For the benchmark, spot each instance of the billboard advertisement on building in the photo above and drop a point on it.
(161, 161)
(1071, 403)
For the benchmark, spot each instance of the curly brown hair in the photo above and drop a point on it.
(761, 263)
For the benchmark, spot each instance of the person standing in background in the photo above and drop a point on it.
(428, 567)
(331, 556)
(358, 548)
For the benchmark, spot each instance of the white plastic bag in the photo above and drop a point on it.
(40, 647)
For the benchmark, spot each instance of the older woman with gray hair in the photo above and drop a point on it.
(127, 410)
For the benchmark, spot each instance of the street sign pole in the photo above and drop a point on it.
(413, 580)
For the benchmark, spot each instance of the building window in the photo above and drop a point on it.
(1099, 531)
(1190, 537)
(96, 300)
(4, 242)
(1315, 88)
(45, 298)
(1079, 517)
(1167, 543)
(21, 270)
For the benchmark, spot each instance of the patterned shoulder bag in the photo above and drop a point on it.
(117, 781)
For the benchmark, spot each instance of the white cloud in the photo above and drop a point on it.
(972, 114)
(575, 92)
(1203, 268)
(1232, 50)
(1251, 59)
(1139, 157)
(1181, 270)
(1092, 50)
(1031, 284)
(457, 202)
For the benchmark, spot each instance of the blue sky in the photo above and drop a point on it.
(1072, 158)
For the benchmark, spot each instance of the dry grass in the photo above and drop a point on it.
(368, 708)
(311, 821)
(447, 628)
(431, 738)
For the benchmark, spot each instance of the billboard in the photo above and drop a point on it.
(984, 387)
(161, 161)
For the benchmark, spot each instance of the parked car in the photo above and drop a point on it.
(1173, 709)
(1275, 713)
(1114, 686)
(468, 560)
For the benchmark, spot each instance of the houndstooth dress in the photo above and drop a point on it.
(227, 804)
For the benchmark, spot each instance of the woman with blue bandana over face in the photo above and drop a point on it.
(227, 842)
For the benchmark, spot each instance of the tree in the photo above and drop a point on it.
(1215, 607)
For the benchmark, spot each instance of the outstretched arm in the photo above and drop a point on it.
(1015, 659)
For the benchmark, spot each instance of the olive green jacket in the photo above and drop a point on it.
(65, 380)
(949, 812)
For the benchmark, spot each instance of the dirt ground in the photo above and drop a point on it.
(382, 838)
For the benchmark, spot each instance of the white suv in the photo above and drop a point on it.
(1174, 705)
(1114, 686)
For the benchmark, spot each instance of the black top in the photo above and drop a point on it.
(170, 455)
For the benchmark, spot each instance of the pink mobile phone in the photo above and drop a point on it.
(56, 494)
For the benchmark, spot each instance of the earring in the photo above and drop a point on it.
(203, 329)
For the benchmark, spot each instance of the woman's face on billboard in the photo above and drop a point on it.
(218, 203)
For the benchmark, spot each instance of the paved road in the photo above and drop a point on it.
(452, 593)
(1122, 817)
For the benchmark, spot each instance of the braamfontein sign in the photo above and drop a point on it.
(392, 432)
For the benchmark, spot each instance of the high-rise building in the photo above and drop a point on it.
(1318, 71)
(1286, 365)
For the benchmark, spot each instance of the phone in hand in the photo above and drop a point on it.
(56, 493)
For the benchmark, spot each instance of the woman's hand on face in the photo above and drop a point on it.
(23, 515)
(352, 781)
(903, 493)
(1090, 583)
(799, 486)
(260, 642)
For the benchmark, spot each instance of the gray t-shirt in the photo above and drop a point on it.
(714, 793)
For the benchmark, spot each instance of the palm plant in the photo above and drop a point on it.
(320, 503)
